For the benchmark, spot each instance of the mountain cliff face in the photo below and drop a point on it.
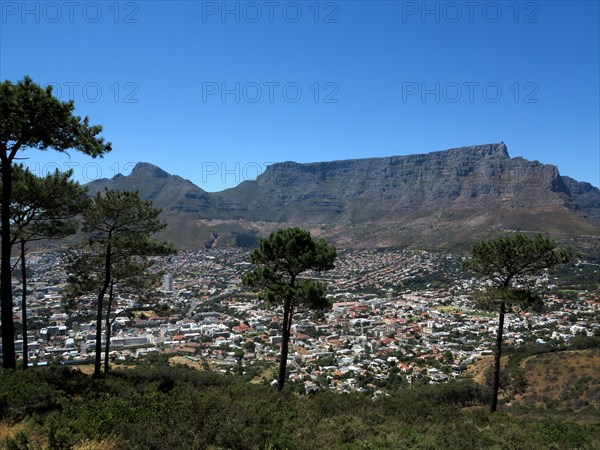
(446, 199)
(169, 192)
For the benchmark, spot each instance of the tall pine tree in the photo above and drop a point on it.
(118, 228)
(41, 209)
(280, 261)
(510, 265)
(32, 118)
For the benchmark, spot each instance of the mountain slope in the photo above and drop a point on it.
(446, 199)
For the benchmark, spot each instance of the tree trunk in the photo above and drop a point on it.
(108, 328)
(24, 305)
(107, 263)
(497, 357)
(9, 360)
(287, 319)
(289, 331)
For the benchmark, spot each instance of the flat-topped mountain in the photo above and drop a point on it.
(446, 199)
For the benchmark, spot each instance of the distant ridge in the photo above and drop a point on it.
(445, 199)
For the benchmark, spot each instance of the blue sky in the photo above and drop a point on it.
(215, 91)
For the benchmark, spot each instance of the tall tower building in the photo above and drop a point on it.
(168, 282)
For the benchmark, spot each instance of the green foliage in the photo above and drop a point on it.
(515, 259)
(581, 342)
(279, 261)
(25, 393)
(179, 407)
(32, 118)
(510, 264)
(117, 226)
(124, 221)
(44, 208)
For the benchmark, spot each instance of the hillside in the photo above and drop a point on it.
(179, 407)
(447, 199)
(564, 381)
(559, 382)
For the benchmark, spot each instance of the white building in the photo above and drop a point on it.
(168, 282)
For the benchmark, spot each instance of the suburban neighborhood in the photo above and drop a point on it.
(396, 317)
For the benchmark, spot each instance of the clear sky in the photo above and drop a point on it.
(215, 91)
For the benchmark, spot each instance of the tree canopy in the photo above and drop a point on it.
(279, 261)
(511, 260)
(44, 207)
(118, 228)
(31, 117)
(41, 208)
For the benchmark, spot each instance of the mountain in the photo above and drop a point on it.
(447, 199)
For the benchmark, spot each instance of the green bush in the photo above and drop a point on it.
(179, 407)
(23, 393)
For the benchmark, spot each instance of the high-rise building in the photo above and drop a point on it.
(168, 282)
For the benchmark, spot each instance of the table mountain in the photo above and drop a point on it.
(447, 199)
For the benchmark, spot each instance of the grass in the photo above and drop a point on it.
(562, 384)
(563, 381)
(8, 430)
(198, 365)
(449, 309)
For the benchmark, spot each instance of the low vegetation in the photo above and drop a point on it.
(158, 407)
(562, 382)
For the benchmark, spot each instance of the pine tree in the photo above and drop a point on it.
(117, 241)
(41, 208)
(32, 118)
(510, 264)
(280, 260)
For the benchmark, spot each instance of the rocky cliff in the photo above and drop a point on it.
(446, 199)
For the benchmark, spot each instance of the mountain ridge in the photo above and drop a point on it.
(444, 199)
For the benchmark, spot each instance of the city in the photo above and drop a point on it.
(397, 317)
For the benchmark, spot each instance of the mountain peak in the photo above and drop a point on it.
(496, 149)
(502, 148)
(144, 169)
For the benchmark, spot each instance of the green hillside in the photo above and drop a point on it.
(164, 407)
